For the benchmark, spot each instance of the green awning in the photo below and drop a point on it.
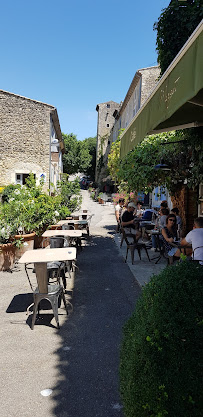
(176, 101)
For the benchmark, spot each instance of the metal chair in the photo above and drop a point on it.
(132, 246)
(50, 292)
(71, 241)
(163, 252)
(86, 227)
(200, 261)
(54, 267)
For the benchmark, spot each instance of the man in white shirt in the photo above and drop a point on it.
(195, 237)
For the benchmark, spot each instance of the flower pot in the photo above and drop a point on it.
(7, 256)
(27, 243)
(54, 227)
(38, 242)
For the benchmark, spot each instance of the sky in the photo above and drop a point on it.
(75, 54)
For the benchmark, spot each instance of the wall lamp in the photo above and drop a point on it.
(162, 166)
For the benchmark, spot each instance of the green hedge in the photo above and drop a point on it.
(160, 362)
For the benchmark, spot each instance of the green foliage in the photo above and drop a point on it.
(114, 158)
(185, 159)
(27, 208)
(71, 156)
(8, 192)
(80, 156)
(91, 144)
(175, 25)
(160, 369)
(70, 193)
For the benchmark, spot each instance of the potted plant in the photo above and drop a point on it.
(7, 248)
(99, 198)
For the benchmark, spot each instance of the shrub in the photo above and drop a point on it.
(160, 369)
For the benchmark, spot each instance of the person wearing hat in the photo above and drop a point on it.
(128, 221)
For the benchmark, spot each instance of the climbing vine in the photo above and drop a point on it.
(181, 150)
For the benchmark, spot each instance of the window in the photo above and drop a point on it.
(107, 125)
(20, 178)
(108, 142)
(108, 106)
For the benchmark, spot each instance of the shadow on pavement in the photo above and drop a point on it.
(88, 357)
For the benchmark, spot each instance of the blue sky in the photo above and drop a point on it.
(76, 54)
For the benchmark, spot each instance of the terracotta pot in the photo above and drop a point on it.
(7, 256)
(27, 243)
(54, 227)
(38, 242)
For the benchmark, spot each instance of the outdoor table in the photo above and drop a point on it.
(177, 244)
(82, 222)
(76, 223)
(40, 258)
(73, 234)
(48, 255)
(66, 233)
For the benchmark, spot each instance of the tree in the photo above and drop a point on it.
(80, 156)
(182, 150)
(175, 25)
(91, 145)
(70, 158)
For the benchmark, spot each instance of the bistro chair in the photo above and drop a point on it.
(200, 261)
(44, 290)
(54, 267)
(133, 245)
(86, 227)
(163, 252)
(84, 214)
(71, 241)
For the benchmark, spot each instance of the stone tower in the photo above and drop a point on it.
(105, 123)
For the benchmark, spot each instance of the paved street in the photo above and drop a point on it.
(79, 362)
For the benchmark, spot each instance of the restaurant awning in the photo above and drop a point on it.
(176, 102)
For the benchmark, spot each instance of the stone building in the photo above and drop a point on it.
(105, 123)
(143, 82)
(30, 141)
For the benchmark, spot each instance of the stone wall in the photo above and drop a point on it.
(149, 80)
(24, 137)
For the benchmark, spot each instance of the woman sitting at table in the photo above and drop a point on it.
(169, 235)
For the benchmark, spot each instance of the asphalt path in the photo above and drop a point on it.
(76, 367)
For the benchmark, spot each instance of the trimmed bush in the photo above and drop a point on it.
(160, 362)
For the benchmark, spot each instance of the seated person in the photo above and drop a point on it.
(164, 204)
(129, 223)
(118, 211)
(169, 235)
(160, 223)
(195, 237)
(164, 212)
(175, 211)
(139, 210)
